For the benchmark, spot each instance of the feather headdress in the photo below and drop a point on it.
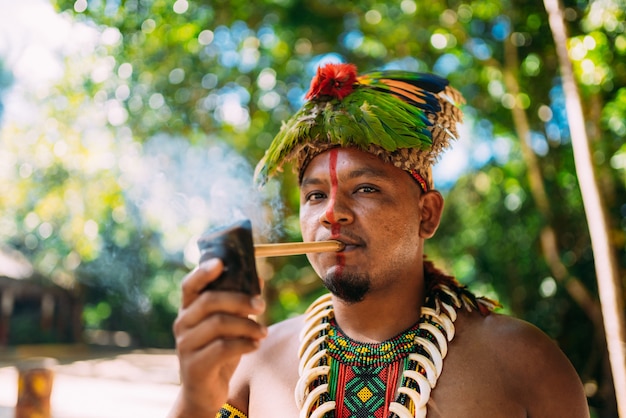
(405, 118)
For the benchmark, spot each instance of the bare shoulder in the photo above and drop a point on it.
(280, 339)
(276, 358)
(515, 336)
(284, 331)
(518, 342)
(537, 369)
(277, 352)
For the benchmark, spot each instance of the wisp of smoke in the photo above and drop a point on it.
(183, 190)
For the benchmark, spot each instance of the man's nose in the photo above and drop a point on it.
(337, 212)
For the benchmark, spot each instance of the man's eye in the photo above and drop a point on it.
(366, 189)
(315, 196)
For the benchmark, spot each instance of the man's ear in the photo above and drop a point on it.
(431, 208)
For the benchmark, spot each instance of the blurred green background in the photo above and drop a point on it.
(129, 127)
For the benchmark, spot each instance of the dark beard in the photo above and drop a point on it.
(351, 288)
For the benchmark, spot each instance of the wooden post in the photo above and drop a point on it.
(34, 388)
(6, 308)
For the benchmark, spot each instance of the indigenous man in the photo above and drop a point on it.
(395, 336)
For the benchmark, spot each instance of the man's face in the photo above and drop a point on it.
(371, 206)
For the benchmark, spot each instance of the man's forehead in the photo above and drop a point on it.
(347, 155)
(350, 163)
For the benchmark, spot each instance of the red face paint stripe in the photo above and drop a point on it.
(330, 211)
(332, 167)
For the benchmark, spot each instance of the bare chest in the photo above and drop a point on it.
(470, 385)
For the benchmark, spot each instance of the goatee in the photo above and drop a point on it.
(349, 287)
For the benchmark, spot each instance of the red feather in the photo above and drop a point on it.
(335, 80)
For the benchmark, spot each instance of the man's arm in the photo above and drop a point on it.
(213, 330)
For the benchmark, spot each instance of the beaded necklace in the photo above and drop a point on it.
(320, 350)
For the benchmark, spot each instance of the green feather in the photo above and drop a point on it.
(342, 126)
(404, 124)
(291, 133)
(376, 132)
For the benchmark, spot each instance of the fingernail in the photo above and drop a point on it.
(257, 303)
(264, 331)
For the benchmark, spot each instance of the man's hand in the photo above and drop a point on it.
(213, 330)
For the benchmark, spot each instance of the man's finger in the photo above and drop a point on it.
(197, 280)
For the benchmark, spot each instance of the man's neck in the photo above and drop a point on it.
(381, 315)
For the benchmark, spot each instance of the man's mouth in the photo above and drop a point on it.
(349, 247)
(350, 243)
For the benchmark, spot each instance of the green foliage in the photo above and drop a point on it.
(94, 316)
(231, 71)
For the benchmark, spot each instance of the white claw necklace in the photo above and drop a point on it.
(316, 391)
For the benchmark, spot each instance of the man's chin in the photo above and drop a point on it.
(349, 287)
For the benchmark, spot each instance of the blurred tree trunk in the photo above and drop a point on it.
(549, 244)
(607, 187)
(609, 284)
